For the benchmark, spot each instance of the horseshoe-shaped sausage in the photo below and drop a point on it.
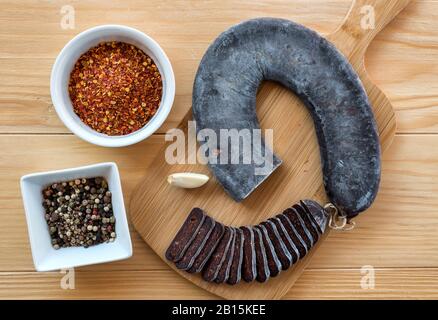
(224, 97)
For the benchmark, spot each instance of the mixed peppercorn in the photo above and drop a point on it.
(115, 88)
(79, 213)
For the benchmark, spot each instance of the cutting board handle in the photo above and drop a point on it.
(365, 19)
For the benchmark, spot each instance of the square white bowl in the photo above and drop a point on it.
(45, 257)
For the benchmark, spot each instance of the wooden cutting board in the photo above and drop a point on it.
(158, 210)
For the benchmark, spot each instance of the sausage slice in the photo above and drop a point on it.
(236, 266)
(211, 269)
(185, 235)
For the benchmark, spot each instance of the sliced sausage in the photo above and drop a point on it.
(316, 213)
(197, 244)
(224, 271)
(185, 235)
(294, 235)
(249, 272)
(290, 245)
(274, 263)
(280, 248)
(211, 269)
(299, 225)
(208, 249)
(307, 222)
(261, 258)
(236, 266)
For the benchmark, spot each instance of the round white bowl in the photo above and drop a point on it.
(82, 43)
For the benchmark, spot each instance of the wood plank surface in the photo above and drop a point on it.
(390, 235)
(397, 235)
(166, 284)
(407, 48)
(299, 177)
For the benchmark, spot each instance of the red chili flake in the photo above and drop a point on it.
(115, 88)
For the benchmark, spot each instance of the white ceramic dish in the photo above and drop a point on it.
(82, 43)
(45, 257)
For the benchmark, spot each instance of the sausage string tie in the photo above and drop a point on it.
(337, 220)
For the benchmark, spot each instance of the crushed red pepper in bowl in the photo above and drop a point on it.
(115, 88)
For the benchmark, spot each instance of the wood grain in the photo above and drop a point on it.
(165, 207)
(397, 234)
(409, 283)
(184, 28)
(389, 235)
(407, 48)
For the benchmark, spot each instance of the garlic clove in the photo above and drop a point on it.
(187, 180)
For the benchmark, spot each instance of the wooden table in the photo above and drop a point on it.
(398, 237)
